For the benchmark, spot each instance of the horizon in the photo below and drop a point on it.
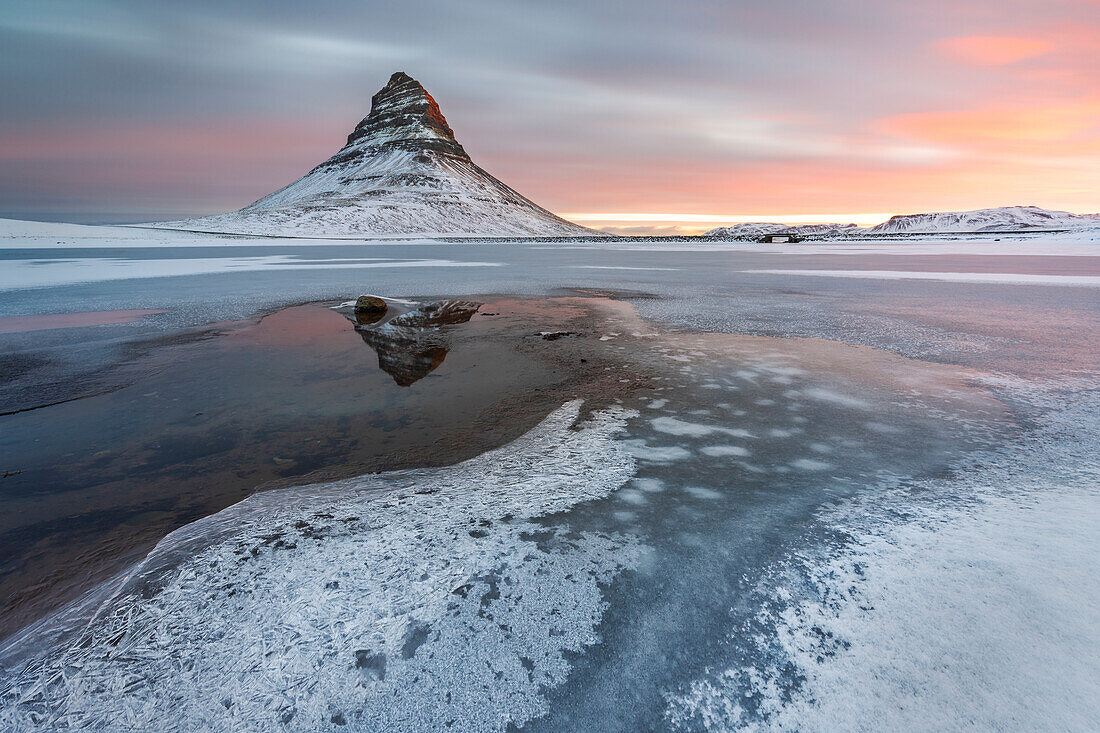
(671, 123)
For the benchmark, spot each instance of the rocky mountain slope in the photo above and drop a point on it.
(402, 172)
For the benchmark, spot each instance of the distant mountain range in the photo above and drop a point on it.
(402, 172)
(1004, 219)
(762, 228)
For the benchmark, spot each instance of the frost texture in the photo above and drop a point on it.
(409, 600)
(961, 604)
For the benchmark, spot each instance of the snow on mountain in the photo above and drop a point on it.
(1004, 219)
(402, 172)
(759, 229)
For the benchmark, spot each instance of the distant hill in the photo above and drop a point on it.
(1004, 219)
(402, 172)
(751, 230)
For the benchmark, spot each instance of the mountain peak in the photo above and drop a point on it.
(404, 116)
(401, 173)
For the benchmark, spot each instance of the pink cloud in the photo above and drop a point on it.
(994, 50)
(1015, 126)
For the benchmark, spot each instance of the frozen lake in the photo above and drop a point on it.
(846, 486)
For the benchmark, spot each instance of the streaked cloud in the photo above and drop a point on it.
(129, 109)
(994, 50)
(1070, 122)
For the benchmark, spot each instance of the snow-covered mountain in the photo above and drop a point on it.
(401, 173)
(1004, 219)
(762, 228)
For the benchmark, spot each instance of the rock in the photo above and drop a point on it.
(412, 345)
(369, 304)
(440, 313)
(404, 116)
(368, 319)
(555, 335)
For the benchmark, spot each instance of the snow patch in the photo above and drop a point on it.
(722, 451)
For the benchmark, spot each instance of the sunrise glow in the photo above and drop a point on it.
(728, 115)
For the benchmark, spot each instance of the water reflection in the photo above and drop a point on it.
(412, 344)
(405, 359)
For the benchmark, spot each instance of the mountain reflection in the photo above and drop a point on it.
(412, 345)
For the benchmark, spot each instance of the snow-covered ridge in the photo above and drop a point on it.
(1003, 219)
(402, 172)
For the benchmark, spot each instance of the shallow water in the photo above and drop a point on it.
(97, 481)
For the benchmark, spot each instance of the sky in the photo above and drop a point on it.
(636, 117)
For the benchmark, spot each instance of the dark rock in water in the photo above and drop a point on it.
(412, 345)
(366, 318)
(442, 313)
(369, 304)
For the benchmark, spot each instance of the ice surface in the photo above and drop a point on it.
(1060, 244)
(21, 274)
(682, 428)
(400, 601)
(19, 234)
(952, 604)
(721, 451)
(813, 627)
(1089, 281)
(625, 267)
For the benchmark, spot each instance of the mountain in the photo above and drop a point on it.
(402, 172)
(752, 230)
(1004, 219)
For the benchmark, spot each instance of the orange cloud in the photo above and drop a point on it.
(993, 50)
(1074, 122)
